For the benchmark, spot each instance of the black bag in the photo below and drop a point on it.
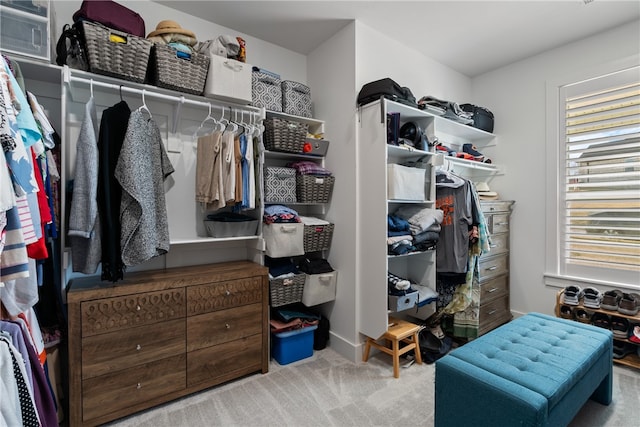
(386, 88)
(482, 117)
(70, 48)
(321, 334)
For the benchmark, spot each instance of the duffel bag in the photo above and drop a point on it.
(482, 117)
(386, 88)
(112, 15)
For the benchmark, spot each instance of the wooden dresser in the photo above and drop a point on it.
(494, 267)
(159, 335)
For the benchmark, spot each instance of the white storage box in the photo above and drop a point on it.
(405, 183)
(229, 80)
(319, 288)
(283, 239)
(24, 28)
(403, 302)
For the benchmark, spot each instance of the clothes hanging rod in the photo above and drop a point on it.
(179, 99)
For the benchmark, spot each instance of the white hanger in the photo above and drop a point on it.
(144, 107)
(209, 117)
(91, 87)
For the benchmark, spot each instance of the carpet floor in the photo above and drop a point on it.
(328, 390)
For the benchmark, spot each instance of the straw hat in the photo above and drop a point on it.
(170, 27)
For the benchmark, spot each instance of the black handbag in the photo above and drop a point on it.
(386, 88)
(482, 117)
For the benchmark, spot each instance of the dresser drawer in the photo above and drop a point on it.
(223, 326)
(115, 314)
(493, 288)
(213, 364)
(495, 206)
(115, 351)
(222, 295)
(499, 245)
(496, 309)
(493, 266)
(113, 392)
(499, 223)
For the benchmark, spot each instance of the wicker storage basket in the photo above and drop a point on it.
(127, 60)
(286, 291)
(314, 189)
(317, 237)
(167, 70)
(284, 135)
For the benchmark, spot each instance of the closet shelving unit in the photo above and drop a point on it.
(374, 205)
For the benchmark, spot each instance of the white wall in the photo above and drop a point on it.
(516, 95)
(290, 65)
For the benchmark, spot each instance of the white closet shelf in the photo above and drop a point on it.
(191, 240)
(315, 125)
(289, 156)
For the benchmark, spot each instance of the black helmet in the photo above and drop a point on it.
(413, 135)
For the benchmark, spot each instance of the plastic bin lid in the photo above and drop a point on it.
(296, 331)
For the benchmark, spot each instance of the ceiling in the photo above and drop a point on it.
(471, 37)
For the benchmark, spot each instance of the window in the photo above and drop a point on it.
(597, 226)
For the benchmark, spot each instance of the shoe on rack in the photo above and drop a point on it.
(621, 349)
(471, 150)
(592, 297)
(572, 295)
(566, 312)
(601, 320)
(619, 327)
(610, 300)
(583, 316)
(629, 304)
(634, 333)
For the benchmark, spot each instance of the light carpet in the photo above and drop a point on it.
(328, 390)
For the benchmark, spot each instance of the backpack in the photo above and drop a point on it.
(70, 48)
(386, 88)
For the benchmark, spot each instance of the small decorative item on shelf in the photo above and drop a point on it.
(115, 53)
(284, 135)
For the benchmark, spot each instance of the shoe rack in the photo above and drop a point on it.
(632, 359)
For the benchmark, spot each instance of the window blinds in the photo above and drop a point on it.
(601, 188)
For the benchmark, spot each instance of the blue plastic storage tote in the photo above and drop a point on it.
(293, 345)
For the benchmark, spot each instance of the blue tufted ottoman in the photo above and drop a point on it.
(536, 370)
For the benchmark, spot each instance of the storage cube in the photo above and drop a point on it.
(317, 237)
(221, 229)
(280, 185)
(168, 70)
(24, 28)
(283, 239)
(403, 302)
(405, 183)
(319, 288)
(266, 91)
(287, 290)
(229, 80)
(314, 189)
(292, 346)
(296, 99)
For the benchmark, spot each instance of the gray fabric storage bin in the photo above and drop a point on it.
(280, 185)
(266, 91)
(296, 99)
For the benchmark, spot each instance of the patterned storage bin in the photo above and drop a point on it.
(127, 58)
(314, 189)
(284, 135)
(167, 70)
(286, 291)
(266, 91)
(317, 237)
(296, 99)
(279, 185)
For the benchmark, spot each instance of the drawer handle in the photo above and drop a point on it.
(503, 223)
(492, 290)
(494, 267)
(138, 308)
(492, 312)
(226, 325)
(138, 347)
(138, 386)
(227, 293)
(493, 245)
